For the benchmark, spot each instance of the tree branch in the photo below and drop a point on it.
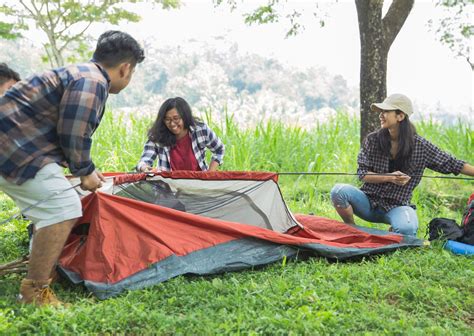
(468, 59)
(63, 14)
(395, 18)
(74, 37)
(15, 263)
(48, 13)
(28, 9)
(35, 15)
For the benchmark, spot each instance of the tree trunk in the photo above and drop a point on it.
(55, 57)
(58, 60)
(376, 36)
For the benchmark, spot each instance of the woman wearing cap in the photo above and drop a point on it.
(401, 155)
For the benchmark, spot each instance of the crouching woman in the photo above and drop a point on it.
(390, 165)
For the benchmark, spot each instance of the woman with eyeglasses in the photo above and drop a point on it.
(179, 141)
(391, 162)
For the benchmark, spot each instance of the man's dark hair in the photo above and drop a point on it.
(115, 47)
(7, 74)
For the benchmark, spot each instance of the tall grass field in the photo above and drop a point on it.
(409, 292)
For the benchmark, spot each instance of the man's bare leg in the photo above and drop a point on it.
(47, 246)
(347, 214)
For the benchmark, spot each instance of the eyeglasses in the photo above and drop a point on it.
(386, 111)
(175, 119)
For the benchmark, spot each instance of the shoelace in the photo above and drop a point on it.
(47, 296)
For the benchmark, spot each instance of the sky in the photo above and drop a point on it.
(418, 65)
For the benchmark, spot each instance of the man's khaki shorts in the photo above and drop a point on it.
(64, 205)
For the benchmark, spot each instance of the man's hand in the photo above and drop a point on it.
(92, 181)
(400, 178)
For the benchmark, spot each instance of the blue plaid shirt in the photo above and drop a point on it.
(51, 118)
(202, 137)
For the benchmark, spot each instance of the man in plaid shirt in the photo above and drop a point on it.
(391, 163)
(46, 123)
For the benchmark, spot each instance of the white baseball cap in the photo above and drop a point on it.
(395, 101)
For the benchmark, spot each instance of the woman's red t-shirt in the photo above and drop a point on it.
(182, 155)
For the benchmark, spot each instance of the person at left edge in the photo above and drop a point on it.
(8, 78)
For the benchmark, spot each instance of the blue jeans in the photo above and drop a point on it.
(403, 219)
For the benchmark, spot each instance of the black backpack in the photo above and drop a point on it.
(467, 224)
(444, 229)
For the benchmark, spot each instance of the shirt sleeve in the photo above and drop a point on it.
(148, 154)
(364, 159)
(440, 161)
(79, 115)
(215, 145)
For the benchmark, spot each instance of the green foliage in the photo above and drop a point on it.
(13, 234)
(275, 11)
(82, 52)
(456, 29)
(65, 22)
(7, 31)
(263, 14)
(414, 291)
(402, 293)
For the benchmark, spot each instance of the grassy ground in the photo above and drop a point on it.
(418, 291)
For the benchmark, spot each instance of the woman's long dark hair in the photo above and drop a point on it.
(159, 133)
(406, 140)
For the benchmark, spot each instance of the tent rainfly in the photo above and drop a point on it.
(143, 229)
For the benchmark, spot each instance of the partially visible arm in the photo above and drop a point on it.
(79, 115)
(213, 166)
(467, 169)
(365, 166)
(148, 157)
(92, 181)
(441, 161)
(216, 146)
(364, 160)
(397, 178)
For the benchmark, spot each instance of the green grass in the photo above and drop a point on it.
(417, 291)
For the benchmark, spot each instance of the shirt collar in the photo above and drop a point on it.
(102, 70)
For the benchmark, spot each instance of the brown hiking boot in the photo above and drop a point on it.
(37, 292)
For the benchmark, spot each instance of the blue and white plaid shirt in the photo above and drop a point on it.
(202, 137)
